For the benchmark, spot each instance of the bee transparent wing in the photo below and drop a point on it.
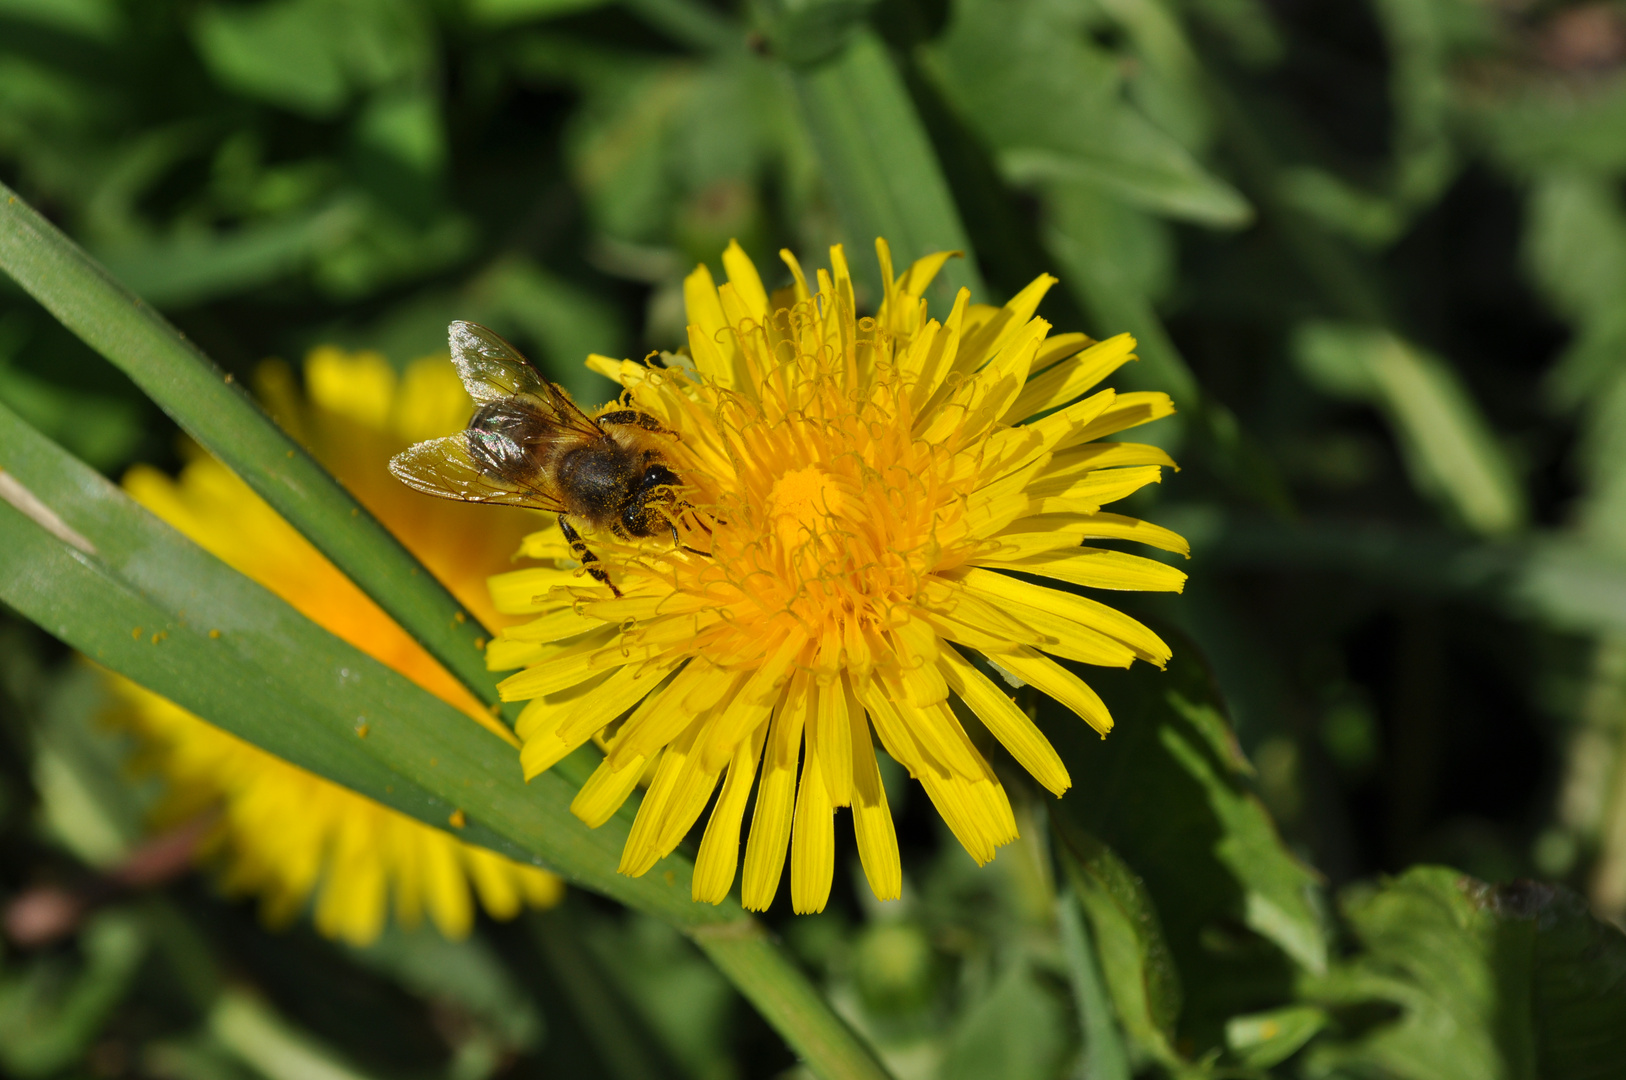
(493, 370)
(443, 467)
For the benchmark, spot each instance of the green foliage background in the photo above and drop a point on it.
(1365, 825)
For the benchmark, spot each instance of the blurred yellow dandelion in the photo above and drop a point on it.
(281, 832)
(863, 502)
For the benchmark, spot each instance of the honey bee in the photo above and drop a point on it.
(529, 445)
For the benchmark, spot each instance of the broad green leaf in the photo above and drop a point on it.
(1167, 793)
(1031, 84)
(879, 165)
(1018, 1031)
(226, 422)
(1449, 447)
(103, 575)
(1137, 966)
(1491, 983)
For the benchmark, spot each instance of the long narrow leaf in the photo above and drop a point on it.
(879, 163)
(225, 421)
(103, 575)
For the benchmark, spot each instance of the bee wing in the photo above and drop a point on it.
(492, 370)
(443, 467)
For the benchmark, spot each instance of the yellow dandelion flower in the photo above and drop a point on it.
(864, 503)
(281, 832)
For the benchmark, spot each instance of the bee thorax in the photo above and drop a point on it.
(596, 480)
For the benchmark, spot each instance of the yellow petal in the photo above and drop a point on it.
(1070, 517)
(1062, 383)
(813, 840)
(1097, 487)
(776, 796)
(832, 730)
(1098, 569)
(1051, 678)
(719, 853)
(605, 791)
(1127, 411)
(742, 274)
(1007, 723)
(1002, 588)
(872, 818)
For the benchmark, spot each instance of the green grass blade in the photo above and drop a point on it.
(100, 573)
(225, 421)
(883, 173)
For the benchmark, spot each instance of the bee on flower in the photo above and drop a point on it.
(849, 515)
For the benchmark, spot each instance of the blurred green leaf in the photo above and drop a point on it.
(97, 19)
(1018, 1031)
(566, 321)
(506, 12)
(194, 265)
(261, 1039)
(674, 991)
(87, 803)
(102, 431)
(404, 125)
(880, 167)
(1575, 246)
(1049, 103)
(1102, 1057)
(1269, 1038)
(465, 974)
(1492, 983)
(51, 1009)
(1139, 971)
(309, 55)
(282, 52)
(806, 34)
(1448, 446)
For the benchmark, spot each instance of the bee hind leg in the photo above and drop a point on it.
(578, 547)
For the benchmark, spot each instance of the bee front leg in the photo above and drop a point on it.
(578, 547)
